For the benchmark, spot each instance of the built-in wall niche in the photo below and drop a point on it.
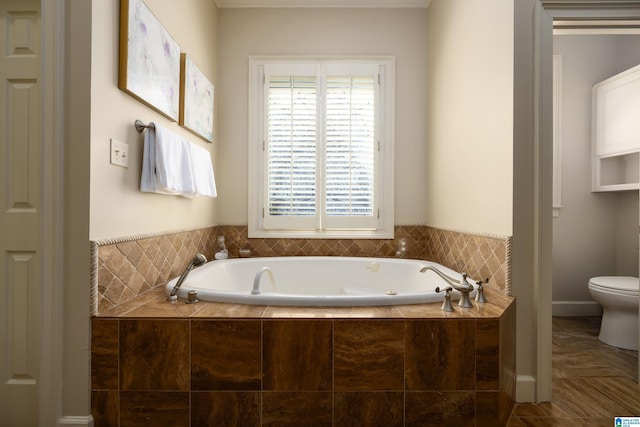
(619, 172)
(616, 132)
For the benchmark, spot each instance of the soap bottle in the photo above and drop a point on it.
(221, 250)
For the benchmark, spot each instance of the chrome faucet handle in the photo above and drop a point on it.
(446, 304)
(480, 294)
(464, 300)
(462, 285)
(465, 288)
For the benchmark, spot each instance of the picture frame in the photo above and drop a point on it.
(149, 59)
(196, 99)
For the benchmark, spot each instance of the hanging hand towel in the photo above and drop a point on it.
(203, 178)
(166, 165)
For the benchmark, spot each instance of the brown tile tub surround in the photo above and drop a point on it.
(125, 268)
(128, 267)
(318, 366)
(161, 364)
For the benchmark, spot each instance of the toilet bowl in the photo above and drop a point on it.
(618, 296)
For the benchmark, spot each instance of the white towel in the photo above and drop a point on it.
(148, 178)
(168, 165)
(205, 183)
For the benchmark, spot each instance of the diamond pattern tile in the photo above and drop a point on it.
(134, 265)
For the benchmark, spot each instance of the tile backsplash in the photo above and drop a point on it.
(127, 267)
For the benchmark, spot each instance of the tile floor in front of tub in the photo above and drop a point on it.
(592, 382)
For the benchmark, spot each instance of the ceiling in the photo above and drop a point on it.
(323, 3)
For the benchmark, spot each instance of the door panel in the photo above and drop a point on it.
(20, 170)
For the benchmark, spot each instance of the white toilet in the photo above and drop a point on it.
(618, 296)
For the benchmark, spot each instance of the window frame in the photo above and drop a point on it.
(256, 143)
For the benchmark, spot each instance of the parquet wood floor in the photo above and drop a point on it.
(591, 382)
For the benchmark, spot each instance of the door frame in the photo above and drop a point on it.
(52, 226)
(546, 11)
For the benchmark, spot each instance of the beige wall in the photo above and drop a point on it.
(453, 170)
(118, 208)
(397, 32)
(480, 125)
(595, 233)
(432, 181)
(469, 167)
(101, 200)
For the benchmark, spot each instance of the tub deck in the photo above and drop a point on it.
(154, 304)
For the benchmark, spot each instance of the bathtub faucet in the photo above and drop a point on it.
(256, 280)
(462, 286)
(197, 261)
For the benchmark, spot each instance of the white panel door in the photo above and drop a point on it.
(20, 170)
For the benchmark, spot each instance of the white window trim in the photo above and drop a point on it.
(387, 138)
(557, 135)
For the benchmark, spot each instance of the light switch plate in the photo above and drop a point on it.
(119, 153)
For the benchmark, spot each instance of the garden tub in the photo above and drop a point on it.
(317, 281)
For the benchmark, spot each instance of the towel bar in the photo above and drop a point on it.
(140, 127)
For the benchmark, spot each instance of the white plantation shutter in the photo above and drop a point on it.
(351, 153)
(320, 168)
(291, 146)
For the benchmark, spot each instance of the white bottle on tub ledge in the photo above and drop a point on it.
(221, 250)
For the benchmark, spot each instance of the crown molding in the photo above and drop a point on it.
(596, 27)
(323, 3)
(590, 4)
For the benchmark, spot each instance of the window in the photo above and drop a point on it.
(321, 148)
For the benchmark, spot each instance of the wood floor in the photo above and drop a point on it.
(592, 382)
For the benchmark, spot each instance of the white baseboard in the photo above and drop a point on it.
(76, 421)
(576, 308)
(525, 389)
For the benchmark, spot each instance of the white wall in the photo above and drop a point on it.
(595, 233)
(118, 208)
(470, 148)
(397, 32)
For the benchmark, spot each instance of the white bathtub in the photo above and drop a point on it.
(317, 281)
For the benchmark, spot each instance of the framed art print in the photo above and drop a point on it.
(149, 68)
(196, 100)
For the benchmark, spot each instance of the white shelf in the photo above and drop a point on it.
(616, 132)
(617, 173)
